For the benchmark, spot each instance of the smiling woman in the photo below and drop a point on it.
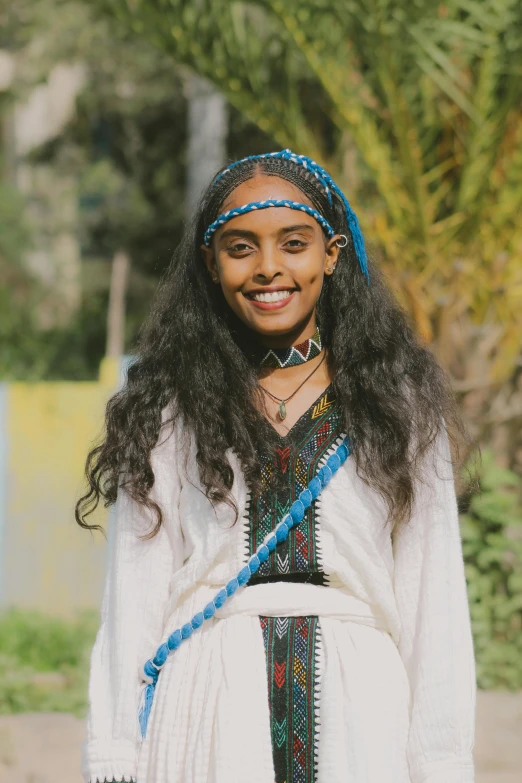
(271, 272)
(298, 611)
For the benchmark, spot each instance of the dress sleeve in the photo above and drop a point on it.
(436, 643)
(135, 594)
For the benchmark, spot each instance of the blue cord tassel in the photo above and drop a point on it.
(147, 697)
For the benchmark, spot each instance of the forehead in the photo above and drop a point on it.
(265, 221)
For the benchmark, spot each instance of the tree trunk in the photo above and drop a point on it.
(116, 312)
(207, 137)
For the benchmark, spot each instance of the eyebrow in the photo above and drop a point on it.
(252, 234)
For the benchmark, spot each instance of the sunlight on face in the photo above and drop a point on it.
(271, 262)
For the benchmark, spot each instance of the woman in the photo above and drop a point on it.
(343, 650)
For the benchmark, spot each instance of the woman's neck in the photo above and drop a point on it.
(289, 339)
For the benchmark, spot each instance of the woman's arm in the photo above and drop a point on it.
(136, 591)
(436, 644)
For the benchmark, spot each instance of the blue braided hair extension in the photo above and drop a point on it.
(329, 187)
(151, 669)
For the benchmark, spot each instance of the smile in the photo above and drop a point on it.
(273, 296)
(271, 300)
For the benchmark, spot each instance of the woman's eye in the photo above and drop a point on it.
(295, 243)
(240, 247)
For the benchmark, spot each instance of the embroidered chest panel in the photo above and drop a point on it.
(284, 475)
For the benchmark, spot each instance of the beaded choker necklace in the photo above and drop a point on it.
(297, 354)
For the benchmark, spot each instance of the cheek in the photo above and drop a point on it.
(310, 275)
(305, 270)
(232, 278)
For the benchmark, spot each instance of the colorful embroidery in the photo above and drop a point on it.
(290, 646)
(291, 643)
(321, 407)
(284, 476)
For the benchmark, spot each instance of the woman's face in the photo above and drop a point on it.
(271, 262)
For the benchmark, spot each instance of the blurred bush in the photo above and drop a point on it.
(44, 661)
(492, 543)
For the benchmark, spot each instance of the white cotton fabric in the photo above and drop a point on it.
(396, 696)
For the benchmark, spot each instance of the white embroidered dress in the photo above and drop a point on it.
(397, 689)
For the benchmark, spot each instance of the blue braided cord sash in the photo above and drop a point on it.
(270, 202)
(329, 186)
(153, 666)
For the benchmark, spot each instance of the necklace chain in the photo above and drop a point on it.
(284, 400)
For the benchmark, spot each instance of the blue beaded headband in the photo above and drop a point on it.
(327, 184)
(271, 202)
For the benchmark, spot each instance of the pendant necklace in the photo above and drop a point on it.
(282, 407)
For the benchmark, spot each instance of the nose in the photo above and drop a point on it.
(268, 263)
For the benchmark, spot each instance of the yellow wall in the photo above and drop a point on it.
(48, 561)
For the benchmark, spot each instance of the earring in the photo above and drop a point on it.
(215, 279)
(345, 241)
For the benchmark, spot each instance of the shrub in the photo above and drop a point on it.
(492, 543)
(44, 661)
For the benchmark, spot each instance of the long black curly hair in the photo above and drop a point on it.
(194, 356)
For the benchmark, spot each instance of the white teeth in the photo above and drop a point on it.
(274, 296)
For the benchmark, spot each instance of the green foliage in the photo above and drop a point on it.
(492, 544)
(31, 353)
(128, 186)
(124, 153)
(44, 661)
(426, 94)
(15, 234)
(21, 350)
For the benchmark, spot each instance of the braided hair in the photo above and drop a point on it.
(195, 359)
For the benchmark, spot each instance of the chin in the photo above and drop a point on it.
(274, 328)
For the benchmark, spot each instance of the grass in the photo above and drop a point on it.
(44, 661)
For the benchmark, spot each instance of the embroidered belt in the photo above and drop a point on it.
(295, 599)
